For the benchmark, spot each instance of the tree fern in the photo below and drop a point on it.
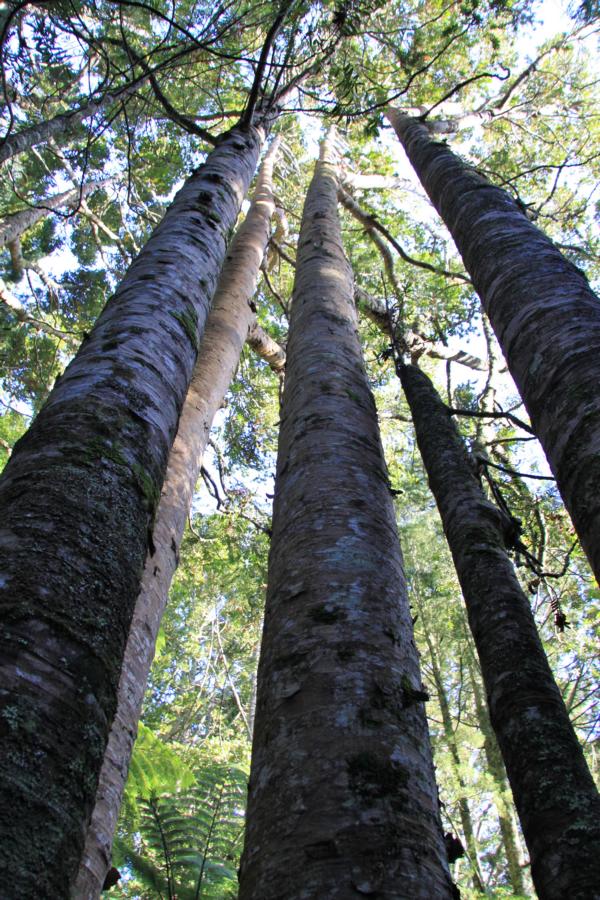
(155, 769)
(189, 840)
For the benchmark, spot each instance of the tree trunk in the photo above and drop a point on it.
(546, 318)
(554, 793)
(77, 505)
(227, 328)
(13, 226)
(342, 798)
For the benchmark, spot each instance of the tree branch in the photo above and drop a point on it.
(479, 414)
(371, 222)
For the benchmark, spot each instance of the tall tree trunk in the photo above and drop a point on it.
(13, 226)
(342, 798)
(554, 792)
(77, 505)
(546, 318)
(228, 324)
(64, 125)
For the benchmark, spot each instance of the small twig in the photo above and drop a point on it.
(500, 414)
(197, 535)
(565, 566)
(274, 30)
(371, 222)
(487, 462)
(285, 256)
(275, 293)
(234, 691)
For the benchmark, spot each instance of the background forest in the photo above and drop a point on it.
(137, 92)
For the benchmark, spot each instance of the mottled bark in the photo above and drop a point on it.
(62, 126)
(227, 328)
(342, 799)
(77, 505)
(546, 318)
(13, 226)
(553, 790)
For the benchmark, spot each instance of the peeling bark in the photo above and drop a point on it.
(77, 505)
(546, 318)
(342, 798)
(226, 330)
(554, 793)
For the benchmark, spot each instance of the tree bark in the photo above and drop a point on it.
(77, 506)
(546, 318)
(342, 798)
(264, 345)
(228, 324)
(13, 226)
(553, 790)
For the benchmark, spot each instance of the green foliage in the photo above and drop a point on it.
(12, 426)
(209, 637)
(156, 768)
(29, 361)
(188, 842)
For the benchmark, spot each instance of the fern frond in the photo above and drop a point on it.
(195, 832)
